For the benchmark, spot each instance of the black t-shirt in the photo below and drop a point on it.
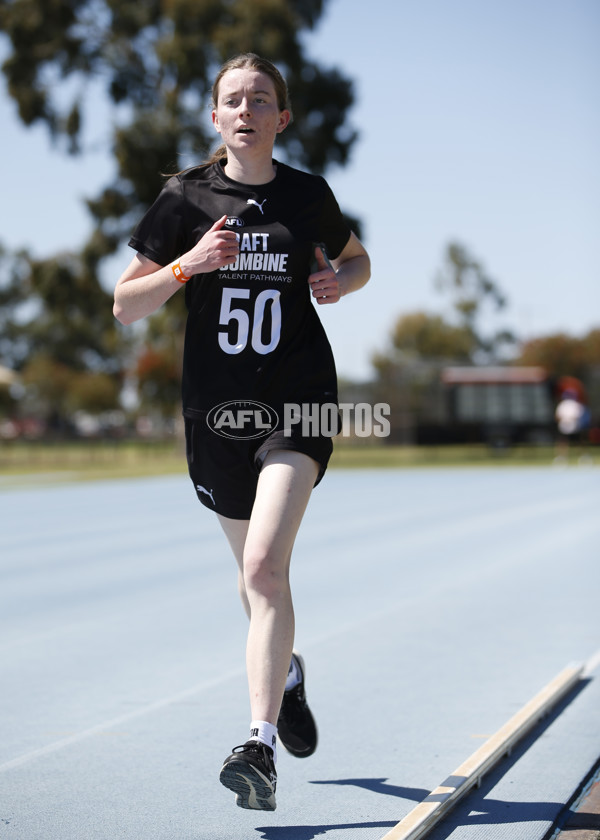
(252, 332)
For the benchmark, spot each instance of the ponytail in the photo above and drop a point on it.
(218, 155)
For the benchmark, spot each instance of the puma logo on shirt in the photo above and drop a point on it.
(260, 206)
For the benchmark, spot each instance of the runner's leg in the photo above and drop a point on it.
(236, 531)
(284, 487)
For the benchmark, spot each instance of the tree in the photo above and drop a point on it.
(565, 356)
(408, 371)
(158, 364)
(471, 291)
(55, 391)
(154, 61)
(431, 337)
(57, 330)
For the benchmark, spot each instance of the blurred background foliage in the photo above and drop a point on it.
(65, 360)
(155, 61)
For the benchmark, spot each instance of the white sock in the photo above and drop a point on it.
(294, 676)
(266, 733)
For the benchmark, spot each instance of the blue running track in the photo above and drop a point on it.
(431, 605)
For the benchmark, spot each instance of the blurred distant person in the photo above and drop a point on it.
(572, 419)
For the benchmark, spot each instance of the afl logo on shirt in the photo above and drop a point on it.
(242, 419)
(234, 221)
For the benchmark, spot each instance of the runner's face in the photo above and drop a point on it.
(247, 115)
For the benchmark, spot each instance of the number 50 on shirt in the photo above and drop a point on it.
(249, 320)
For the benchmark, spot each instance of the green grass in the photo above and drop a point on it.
(89, 461)
(25, 463)
(347, 456)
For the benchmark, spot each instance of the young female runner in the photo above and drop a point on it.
(238, 236)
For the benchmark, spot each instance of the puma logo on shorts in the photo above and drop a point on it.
(208, 493)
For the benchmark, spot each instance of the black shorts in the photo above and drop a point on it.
(225, 471)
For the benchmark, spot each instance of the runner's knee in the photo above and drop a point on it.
(265, 574)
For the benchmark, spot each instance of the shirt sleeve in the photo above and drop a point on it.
(160, 235)
(332, 230)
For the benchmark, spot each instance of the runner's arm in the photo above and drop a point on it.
(142, 289)
(352, 267)
(336, 278)
(145, 285)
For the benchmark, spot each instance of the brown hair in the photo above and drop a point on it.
(250, 61)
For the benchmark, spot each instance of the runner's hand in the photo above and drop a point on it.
(218, 247)
(324, 283)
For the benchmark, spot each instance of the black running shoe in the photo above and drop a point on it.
(250, 773)
(296, 726)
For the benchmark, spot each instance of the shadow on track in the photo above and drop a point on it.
(475, 809)
(307, 832)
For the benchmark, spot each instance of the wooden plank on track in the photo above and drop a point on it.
(440, 801)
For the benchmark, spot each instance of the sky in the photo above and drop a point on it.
(478, 122)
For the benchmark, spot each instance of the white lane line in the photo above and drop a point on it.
(113, 723)
(440, 801)
(592, 663)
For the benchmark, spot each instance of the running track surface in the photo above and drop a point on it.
(431, 605)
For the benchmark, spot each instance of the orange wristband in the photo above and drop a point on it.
(178, 273)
